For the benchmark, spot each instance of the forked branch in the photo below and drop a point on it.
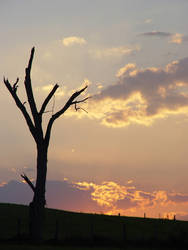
(83, 100)
(35, 122)
(71, 101)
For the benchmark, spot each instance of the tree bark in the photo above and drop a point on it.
(37, 206)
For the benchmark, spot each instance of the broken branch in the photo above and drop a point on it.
(29, 91)
(15, 85)
(24, 176)
(21, 106)
(46, 101)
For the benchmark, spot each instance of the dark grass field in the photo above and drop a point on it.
(68, 230)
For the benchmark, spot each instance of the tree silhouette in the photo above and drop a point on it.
(42, 139)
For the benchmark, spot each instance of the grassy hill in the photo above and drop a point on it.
(81, 228)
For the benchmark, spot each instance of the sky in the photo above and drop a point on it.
(125, 150)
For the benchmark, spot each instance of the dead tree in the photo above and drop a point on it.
(42, 139)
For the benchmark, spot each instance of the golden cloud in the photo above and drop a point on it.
(47, 88)
(141, 96)
(125, 199)
(160, 197)
(115, 113)
(126, 69)
(72, 40)
(105, 194)
(177, 38)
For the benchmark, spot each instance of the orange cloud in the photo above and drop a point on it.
(128, 200)
(105, 194)
(141, 96)
(160, 197)
(3, 183)
(107, 197)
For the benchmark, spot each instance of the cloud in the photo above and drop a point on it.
(105, 194)
(60, 194)
(156, 33)
(149, 20)
(45, 89)
(15, 192)
(112, 52)
(115, 198)
(178, 197)
(107, 197)
(141, 96)
(182, 215)
(3, 183)
(99, 85)
(64, 195)
(176, 38)
(73, 40)
(127, 68)
(28, 169)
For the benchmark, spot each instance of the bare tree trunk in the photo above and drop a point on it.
(37, 206)
(42, 139)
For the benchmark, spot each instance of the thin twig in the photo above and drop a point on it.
(77, 108)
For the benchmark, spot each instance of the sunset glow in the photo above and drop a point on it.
(110, 196)
(124, 149)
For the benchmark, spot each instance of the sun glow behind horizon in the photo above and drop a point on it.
(134, 126)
